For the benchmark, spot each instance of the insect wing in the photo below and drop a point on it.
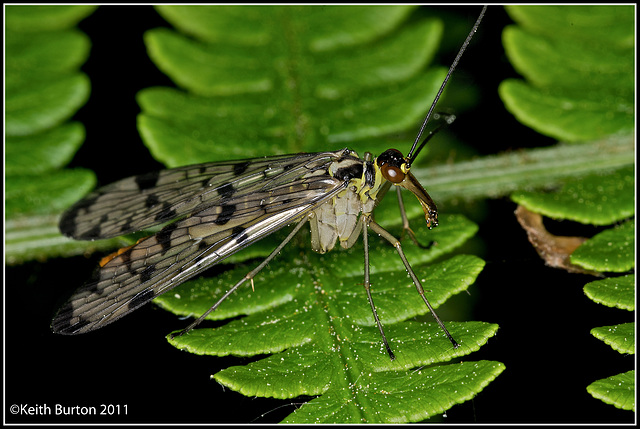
(187, 247)
(140, 202)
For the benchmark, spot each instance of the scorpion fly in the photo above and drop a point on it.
(223, 207)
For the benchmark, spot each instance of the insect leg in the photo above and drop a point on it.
(396, 243)
(249, 276)
(367, 286)
(405, 223)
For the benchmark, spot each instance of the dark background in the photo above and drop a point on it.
(543, 314)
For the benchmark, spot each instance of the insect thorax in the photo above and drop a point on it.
(340, 219)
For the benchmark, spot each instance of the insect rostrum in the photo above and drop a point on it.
(224, 207)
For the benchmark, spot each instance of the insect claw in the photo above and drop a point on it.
(391, 355)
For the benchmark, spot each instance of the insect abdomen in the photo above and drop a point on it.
(337, 219)
(334, 220)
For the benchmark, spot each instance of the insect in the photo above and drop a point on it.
(223, 207)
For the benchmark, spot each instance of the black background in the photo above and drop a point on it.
(543, 314)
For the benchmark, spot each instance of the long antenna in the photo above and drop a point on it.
(446, 79)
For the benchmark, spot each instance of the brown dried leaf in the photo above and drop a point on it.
(553, 249)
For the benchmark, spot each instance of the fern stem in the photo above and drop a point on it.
(498, 175)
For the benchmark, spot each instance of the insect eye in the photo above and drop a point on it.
(392, 174)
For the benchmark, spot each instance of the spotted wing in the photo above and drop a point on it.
(261, 202)
(140, 202)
